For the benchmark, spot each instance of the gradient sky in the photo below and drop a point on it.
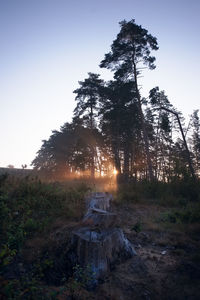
(47, 46)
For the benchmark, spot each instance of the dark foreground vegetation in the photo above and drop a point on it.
(161, 220)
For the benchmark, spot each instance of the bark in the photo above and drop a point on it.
(98, 243)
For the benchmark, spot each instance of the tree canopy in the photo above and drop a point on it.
(115, 129)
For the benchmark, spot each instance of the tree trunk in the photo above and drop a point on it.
(126, 163)
(145, 135)
(184, 141)
(99, 244)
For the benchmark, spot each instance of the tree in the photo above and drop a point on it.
(189, 160)
(131, 50)
(67, 152)
(164, 109)
(196, 139)
(162, 124)
(119, 122)
(10, 166)
(53, 160)
(114, 126)
(88, 96)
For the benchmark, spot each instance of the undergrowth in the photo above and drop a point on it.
(186, 215)
(180, 199)
(176, 193)
(28, 207)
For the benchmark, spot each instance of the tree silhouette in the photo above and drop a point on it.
(113, 126)
(119, 122)
(87, 97)
(131, 50)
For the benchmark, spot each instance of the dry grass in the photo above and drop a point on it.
(168, 252)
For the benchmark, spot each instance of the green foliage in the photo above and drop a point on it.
(127, 195)
(27, 208)
(132, 45)
(176, 193)
(189, 214)
(43, 266)
(24, 288)
(6, 255)
(84, 276)
(137, 227)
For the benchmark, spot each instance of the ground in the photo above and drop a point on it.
(164, 267)
(167, 265)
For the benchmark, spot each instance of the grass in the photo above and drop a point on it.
(166, 194)
(35, 220)
(172, 209)
(28, 208)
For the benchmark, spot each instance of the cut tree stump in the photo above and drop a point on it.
(98, 244)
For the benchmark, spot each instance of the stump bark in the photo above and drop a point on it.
(99, 244)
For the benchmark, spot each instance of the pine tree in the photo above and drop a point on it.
(131, 50)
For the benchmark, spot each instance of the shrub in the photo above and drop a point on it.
(175, 193)
(28, 206)
(187, 215)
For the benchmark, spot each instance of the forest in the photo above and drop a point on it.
(116, 130)
(138, 151)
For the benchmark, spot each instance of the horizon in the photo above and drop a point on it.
(48, 47)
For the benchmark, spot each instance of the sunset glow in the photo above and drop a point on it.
(115, 172)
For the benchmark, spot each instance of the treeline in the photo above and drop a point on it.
(116, 130)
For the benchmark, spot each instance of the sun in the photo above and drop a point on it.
(115, 172)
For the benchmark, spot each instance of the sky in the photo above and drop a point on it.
(47, 46)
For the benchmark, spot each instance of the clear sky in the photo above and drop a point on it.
(47, 46)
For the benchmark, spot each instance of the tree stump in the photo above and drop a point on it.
(98, 243)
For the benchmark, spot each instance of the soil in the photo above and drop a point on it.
(167, 265)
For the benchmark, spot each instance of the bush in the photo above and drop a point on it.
(176, 193)
(189, 214)
(28, 206)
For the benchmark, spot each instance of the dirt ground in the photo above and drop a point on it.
(167, 264)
